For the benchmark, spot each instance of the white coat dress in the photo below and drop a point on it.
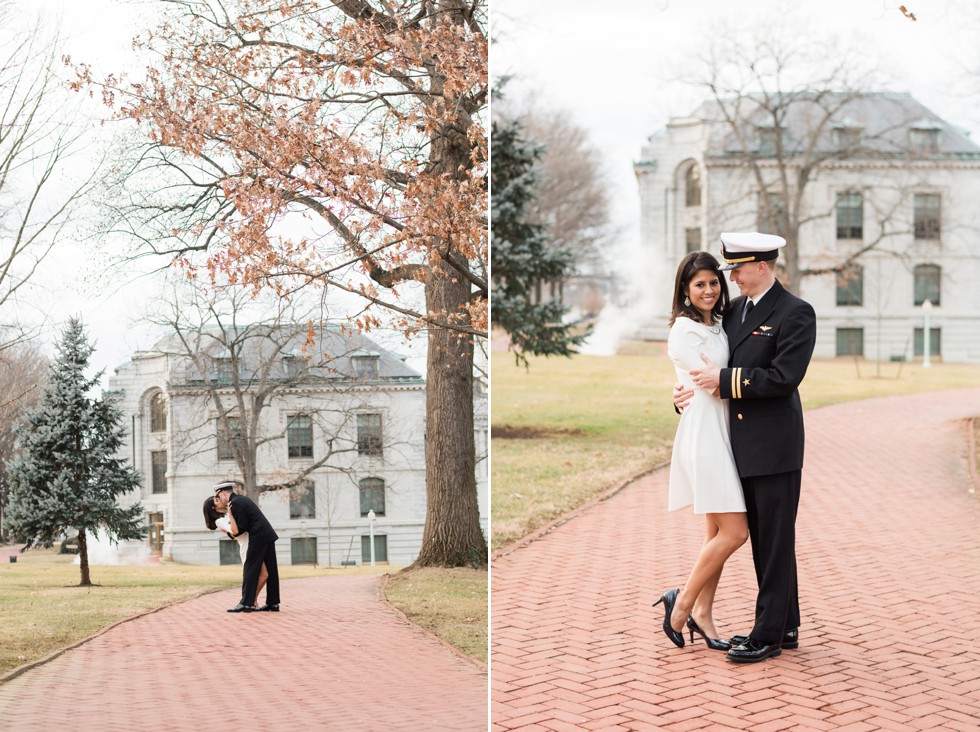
(702, 467)
(224, 523)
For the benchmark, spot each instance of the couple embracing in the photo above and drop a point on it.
(242, 520)
(738, 453)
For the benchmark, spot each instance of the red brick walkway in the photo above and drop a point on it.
(335, 658)
(889, 562)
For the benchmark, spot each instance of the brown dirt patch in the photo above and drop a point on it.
(530, 432)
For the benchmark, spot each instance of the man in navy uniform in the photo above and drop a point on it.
(771, 335)
(261, 548)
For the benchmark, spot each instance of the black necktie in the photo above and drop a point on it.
(748, 309)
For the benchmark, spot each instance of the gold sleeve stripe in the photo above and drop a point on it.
(734, 383)
(738, 383)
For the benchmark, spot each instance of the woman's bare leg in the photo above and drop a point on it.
(731, 532)
(263, 577)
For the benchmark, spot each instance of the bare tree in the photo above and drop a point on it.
(783, 113)
(572, 201)
(22, 372)
(234, 359)
(38, 137)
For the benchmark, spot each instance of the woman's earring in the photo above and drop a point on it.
(687, 301)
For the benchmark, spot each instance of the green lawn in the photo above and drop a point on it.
(566, 429)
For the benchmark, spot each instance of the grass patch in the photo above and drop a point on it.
(567, 429)
(452, 603)
(44, 609)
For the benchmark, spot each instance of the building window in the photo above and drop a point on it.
(850, 285)
(299, 436)
(229, 437)
(303, 550)
(850, 215)
(928, 283)
(846, 138)
(380, 548)
(158, 463)
(158, 413)
(692, 187)
(924, 140)
(372, 496)
(770, 141)
(302, 502)
(366, 367)
(290, 365)
(369, 436)
(224, 370)
(927, 210)
(228, 552)
(850, 341)
(692, 240)
(772, 213)
(935, 342)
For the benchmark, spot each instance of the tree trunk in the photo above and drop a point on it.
(83, 559)
(452, 536)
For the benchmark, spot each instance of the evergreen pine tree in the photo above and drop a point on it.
(68, 476)
(521, 256)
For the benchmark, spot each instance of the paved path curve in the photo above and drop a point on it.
(889, 560)
(335, 658)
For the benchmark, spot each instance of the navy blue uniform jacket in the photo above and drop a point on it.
(769, 355)
(249, 518)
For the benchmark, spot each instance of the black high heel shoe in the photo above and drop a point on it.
(668, 599)
(714, 644)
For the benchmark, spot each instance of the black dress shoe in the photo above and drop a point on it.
(668, 599)
(791, 640)
(753, 651)
(240, 608)
(268, 609)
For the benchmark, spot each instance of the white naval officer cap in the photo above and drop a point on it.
(741, 248)
(225, 485)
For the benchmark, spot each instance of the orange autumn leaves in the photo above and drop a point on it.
(351, 144)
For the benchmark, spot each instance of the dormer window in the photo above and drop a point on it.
(290, 365)
(366, 366)
(224, 370)
(846, 138)
(924, 137)
(768, 139)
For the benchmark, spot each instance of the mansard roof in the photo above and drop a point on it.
(882, 126)
(334, 353)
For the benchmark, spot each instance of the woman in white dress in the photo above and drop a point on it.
(702, 467)
(215, 519)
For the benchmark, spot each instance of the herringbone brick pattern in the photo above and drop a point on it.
(889, 561)
(335, 658)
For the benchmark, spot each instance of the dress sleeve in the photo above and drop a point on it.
(685, 344)
(224, 524)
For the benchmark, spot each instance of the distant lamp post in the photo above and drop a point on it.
(371, 516)
(926, 344)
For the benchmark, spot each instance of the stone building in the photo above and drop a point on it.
(345, 436)
(886, 219)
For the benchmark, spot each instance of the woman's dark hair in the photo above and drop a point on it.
(210, 514)
(690, 266)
